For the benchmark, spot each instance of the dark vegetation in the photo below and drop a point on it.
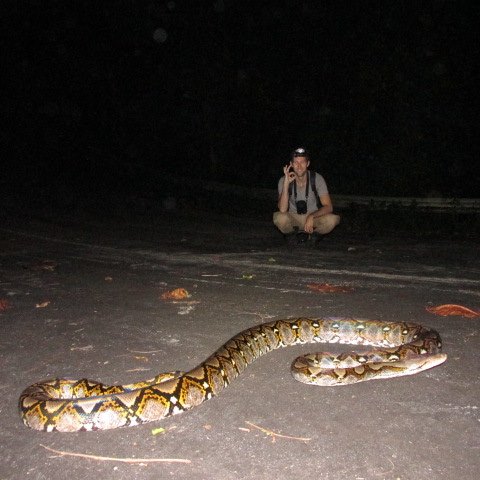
(381, 92)
(109, 101)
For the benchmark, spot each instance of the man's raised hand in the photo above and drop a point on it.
(289, 174)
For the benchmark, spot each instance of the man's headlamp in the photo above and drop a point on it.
(300, 152)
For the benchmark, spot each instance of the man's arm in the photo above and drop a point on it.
(326, 207)
(283, 198)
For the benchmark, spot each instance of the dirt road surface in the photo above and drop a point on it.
(82, 298)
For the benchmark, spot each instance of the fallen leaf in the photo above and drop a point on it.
(48, 265)
(4, 304)
(327, 288)
(177, 294)
(141, 358)
(43, 304)
(452, 309)
(156, 431)
(185, 310)
(247, 277)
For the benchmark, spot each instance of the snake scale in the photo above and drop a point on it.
(83, 405)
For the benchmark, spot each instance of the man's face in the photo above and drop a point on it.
(300, 166)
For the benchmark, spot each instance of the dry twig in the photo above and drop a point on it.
(146, 352)
(114, 459)
(273, 434)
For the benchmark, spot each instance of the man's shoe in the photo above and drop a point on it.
(316, 238)
(290, 238)
(302, 237)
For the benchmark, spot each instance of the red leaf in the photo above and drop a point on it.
(177, 294)
(4, 304)
(327, 288)
(451, 309)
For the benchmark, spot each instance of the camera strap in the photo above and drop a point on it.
(292, 188)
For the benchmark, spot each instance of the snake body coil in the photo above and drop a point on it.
(76, 405)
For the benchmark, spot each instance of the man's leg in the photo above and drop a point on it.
(326, 223)
(286, 222)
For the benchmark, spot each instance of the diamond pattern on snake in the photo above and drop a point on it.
(83, 405)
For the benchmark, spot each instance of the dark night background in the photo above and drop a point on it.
(118, 97)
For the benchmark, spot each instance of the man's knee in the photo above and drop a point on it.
(327, 223)
(283, 222)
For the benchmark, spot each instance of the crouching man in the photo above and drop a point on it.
(304, 204)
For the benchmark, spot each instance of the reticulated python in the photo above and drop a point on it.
(74, 405)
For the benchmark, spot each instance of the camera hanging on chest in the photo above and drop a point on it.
(301, 205)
